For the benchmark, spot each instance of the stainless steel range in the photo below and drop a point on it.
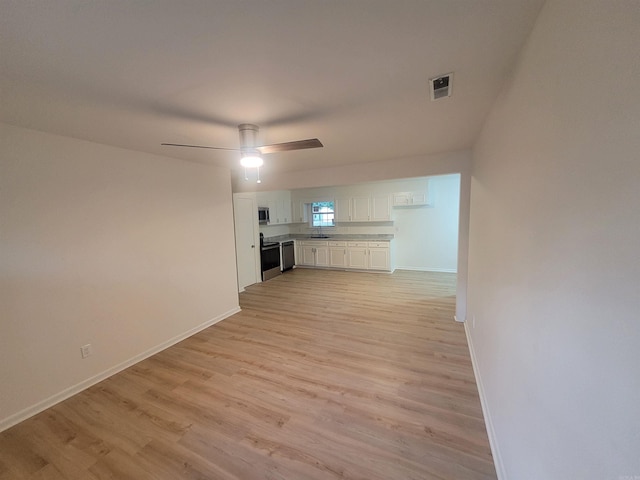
(269, 258)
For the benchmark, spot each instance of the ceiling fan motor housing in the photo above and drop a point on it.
(248, 137)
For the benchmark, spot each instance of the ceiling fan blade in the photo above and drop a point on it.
(284, 147)
(198, 146)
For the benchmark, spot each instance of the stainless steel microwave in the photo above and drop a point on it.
(263, 215)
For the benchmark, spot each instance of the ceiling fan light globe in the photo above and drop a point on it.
(251, 161)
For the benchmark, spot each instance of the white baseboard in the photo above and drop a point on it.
(429, 269)
(22, 415)
(493, 441)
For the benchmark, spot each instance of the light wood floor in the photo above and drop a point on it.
(323, 375)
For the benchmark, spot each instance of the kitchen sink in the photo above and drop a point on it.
(319, 236)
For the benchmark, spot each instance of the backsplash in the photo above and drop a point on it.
(276, 230)
(370, 228)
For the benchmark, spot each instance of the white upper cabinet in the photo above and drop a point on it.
(279, 204)
(300, 213)
(284, 207)
(407, 199)
(380, 208)
(362, 208)
(262, 198)
(360, 203)
(342, 209)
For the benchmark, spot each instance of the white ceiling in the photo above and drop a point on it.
(352, 73)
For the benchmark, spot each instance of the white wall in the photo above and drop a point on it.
(554, 268)
(427, 238)
(393, 169)
(123, 250)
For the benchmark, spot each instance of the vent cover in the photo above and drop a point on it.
(441, 86)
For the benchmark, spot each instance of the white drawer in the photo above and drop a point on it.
(358, 244)
(379, 244)
(312, 243)
(337, 244)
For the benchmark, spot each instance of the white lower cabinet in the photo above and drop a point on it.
(313, 254)
(350, 255)
(338, 254)
(306, 255)
(322, 256)
(357, 254)
(379, 256)
(369, 255)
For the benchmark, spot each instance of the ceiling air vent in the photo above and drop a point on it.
(441, 86)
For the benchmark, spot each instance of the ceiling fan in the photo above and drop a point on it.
(251, 153)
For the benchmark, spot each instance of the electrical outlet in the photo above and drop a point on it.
(86, 350)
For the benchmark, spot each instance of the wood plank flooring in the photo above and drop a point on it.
(323, 375)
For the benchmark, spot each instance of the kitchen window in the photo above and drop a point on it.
(322, 214)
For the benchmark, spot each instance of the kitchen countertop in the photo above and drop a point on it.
(335, 237)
